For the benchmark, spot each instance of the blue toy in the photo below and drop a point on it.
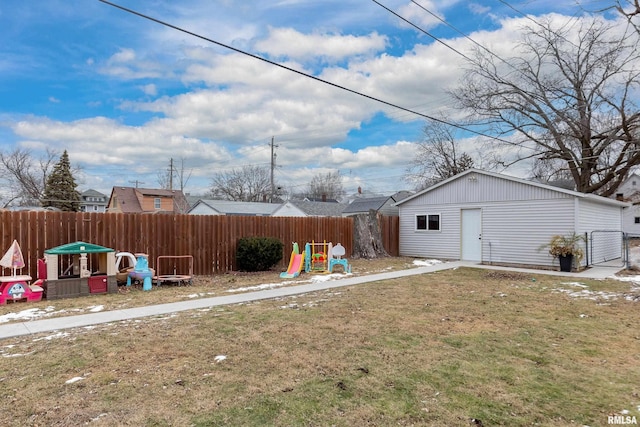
(141, 272)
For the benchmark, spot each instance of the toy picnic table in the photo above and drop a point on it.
(18, 288)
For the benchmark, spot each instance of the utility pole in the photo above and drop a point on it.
(171, 174)
(136, 182)
(273, 167)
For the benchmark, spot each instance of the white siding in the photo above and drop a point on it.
(444, 244)
(512, 232)
(603, 225)
(518, 219)
(629, 223)
(516, 232)
(203, 209)
(389, 208)
(485, 188)
(288, 209)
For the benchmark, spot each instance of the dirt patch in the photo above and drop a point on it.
(507, 275)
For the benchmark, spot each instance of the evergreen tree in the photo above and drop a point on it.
(60, 191)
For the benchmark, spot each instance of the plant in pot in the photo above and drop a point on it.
(567, 249)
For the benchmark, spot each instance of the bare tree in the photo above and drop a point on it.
(327, 185)
(247, 184)
(631, 10)
(569, 96)
(24, 176)
(438, 156)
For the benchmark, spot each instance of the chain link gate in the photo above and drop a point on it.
(608, 248)
(633, 250)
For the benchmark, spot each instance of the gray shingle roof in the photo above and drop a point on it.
(319, 208)
(366, 204)
(229, 207)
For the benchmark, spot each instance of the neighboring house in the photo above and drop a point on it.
(310, 208)
(322, 199)
(631, 221)
(385, 205)
(492, 218)
(146, 200)
(629, 191)
(291, 208)
(229, 207)
(93, 201)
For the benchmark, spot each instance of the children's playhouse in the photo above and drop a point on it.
(78, 269)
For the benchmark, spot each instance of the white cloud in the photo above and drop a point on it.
(478, 9)
(149, 89)
(289, 43)
(124, 55)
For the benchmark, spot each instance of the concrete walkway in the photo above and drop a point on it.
(55, 324)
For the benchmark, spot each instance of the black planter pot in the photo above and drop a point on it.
(566, 262)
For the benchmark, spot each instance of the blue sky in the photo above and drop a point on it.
(124, 95)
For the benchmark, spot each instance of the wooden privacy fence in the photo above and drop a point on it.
(390, 230)
(211, 240)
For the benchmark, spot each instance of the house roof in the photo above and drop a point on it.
(593, 197)
(366, 204)
(92, 193)
(229, 207)
(319, 208)
(127, 199)
(319, 199)
(129, 202)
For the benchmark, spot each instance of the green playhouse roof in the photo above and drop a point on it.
(77, 248)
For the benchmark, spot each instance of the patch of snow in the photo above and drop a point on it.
(29, 314)
(426, 262)
(201, 294)
(576, 284)
(219, 358)
(74, 380)
(96, 308)
(635, 279)
(54, 336)
(259, 287)
(17, 354)
(319, 278)
(594, 295)
(98, 417)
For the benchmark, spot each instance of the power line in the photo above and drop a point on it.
(426, 116)
(422, 30)
(466, 36)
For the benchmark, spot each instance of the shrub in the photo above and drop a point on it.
(258, 253)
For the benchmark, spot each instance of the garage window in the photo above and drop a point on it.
(636, 220)
(429, 222)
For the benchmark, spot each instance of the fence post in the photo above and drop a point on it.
(586, 246)
(625, 239)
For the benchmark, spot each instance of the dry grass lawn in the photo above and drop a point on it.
(439, 349)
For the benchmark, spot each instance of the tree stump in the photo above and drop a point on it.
(367, 237)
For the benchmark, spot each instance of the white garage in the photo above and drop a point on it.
(498, 219)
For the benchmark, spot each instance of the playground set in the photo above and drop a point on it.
(80, 269)
(316, 258)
